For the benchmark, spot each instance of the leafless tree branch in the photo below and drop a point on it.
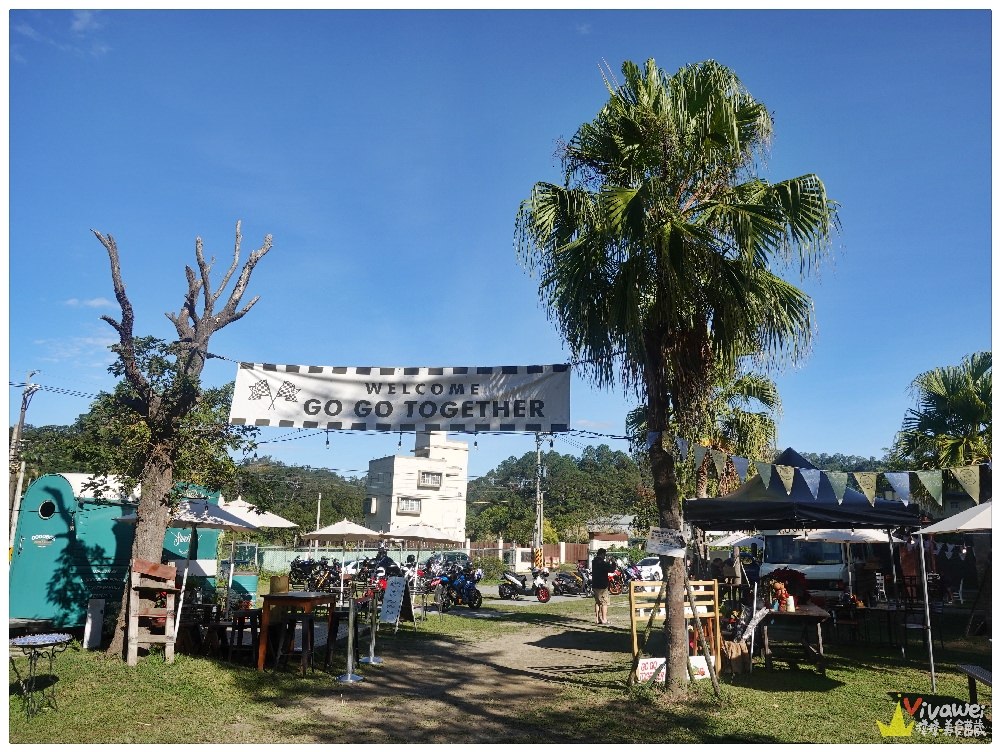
(124, 327)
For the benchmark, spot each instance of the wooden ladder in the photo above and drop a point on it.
(147, 580)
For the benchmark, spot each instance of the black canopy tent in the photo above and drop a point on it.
(755, 507)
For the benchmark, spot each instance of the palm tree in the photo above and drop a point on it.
(736, 427)
(952, 425)
(654, 258)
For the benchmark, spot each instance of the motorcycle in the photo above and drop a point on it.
(312, 574)
(462, 588)
(513, 585)
(624, 573)
(572, 583)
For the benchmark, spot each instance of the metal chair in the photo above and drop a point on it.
(879, 593)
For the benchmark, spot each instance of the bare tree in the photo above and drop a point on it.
(162, 406)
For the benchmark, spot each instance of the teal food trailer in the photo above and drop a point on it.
(70, 547)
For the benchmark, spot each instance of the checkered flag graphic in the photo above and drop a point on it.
(260, 390)
(288, 391)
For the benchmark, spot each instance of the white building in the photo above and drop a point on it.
(429, 487)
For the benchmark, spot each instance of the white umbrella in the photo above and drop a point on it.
(977, 519)
(195, 513)
(343, 530)
(258, 518)
(736, 539)
(847, 537)
(424, 533)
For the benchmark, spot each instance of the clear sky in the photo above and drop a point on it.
(387, 153)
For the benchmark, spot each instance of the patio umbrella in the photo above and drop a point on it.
(197, 513)
(736, 539)
(343, 531)
(847, 537)
(258, 518)
(423, 533)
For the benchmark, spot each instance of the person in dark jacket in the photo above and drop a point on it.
(599, 572)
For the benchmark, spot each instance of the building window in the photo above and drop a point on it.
(407, 506)
(430, 480)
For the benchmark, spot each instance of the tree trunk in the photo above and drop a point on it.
(153, 516)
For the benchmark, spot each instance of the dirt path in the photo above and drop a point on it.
(433, 690)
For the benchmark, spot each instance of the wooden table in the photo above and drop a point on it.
(805, 615)
(307, 601)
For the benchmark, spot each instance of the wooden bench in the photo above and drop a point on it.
(976, 673)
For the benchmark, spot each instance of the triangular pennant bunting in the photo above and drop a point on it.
(764, 471)
(969, 478)
(651, 438)
(811, 477)
(719, 458)
(699, 455)
(742, 464)
(682, 447)
(900, 483)
(838, 482)
(931, 480)
(866, 482)
(787, 475)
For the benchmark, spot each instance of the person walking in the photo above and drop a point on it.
(599, 572)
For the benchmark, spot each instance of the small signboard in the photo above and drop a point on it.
(650, 667)
(392, 600)
(666, 542)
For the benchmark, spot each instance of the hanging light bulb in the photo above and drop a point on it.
(475, 443)
(327, 439)
(400, 439)
(550, 443)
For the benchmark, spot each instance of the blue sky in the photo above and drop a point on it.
(387, 153)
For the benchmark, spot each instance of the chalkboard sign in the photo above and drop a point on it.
(392, 600)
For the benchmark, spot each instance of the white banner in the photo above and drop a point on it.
(460, 399)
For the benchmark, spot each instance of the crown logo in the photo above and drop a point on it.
(897, 727)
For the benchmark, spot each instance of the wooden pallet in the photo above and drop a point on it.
(147, 579)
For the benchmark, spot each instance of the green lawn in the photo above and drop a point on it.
(200, 700)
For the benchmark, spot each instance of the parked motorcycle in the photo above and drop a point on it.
(513, 585)
(624, 573)
(462, 588)
(573, 583)
(314, 574)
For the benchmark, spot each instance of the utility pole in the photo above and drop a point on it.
(16, 463)
(539, 504)
(319, 499)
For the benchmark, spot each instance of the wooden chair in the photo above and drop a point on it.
(148, 579)
(245, 636)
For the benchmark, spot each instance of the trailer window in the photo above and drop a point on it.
(786, 550)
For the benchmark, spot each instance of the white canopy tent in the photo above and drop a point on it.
(979, 519)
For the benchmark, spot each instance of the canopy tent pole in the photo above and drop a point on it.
(192, 549)
(232, 568)
(927, 612)
(892, 564)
